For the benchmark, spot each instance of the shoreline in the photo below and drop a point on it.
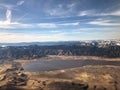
(57, 57)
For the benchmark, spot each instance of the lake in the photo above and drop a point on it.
(51, 65)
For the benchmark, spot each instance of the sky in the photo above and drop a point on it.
(59, 20)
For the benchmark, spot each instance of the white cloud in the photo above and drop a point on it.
(61, 10)
(95, 29)
(87, 13)
(104, 23)
(57, 35)
(12, 37)
(114, 13)
(47, 25)
(8, 15)
(94, 13)
(54, 25)
(70, 24)
(6, 25)
(20, 3)
(55, 12)
(16, 37)
(6, 5)
(117, 13)
(55, 31)
(83, 13)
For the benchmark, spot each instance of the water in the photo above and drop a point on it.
(64, 64)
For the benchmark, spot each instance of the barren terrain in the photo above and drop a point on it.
(13, 77)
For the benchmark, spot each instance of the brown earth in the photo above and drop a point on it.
(13, 77)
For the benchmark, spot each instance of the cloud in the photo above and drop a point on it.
(72, 5)
(7, 25)
(96, 29)
(117, 13)
(47, 25)
(20, 3)
(60, 10)
(95, 13)
(55, 12)
(12, 25)
(84, 13)
(55, 31)
(114, 13)
(70, 24)
(104, 23)
(8, 15)
(58, 35)
(91, 13)
(10, 6)
(54, 25)
(17, 37)
(4, 24)
(13, 37)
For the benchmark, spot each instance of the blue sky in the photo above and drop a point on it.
(59, 20)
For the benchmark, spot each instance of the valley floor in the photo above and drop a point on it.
(13, 77)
